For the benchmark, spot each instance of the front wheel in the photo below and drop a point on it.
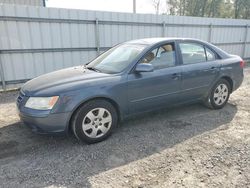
(219, 95)
(94, 121)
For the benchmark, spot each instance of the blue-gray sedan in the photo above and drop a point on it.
(130, 78)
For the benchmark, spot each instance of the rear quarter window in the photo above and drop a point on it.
(210, 55)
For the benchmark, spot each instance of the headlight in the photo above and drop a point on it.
(41, 103)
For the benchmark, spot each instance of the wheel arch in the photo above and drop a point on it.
(113, 102)
(230, 81)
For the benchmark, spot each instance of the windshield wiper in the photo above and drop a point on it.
(93, 68)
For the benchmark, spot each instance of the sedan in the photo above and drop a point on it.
(131, 78)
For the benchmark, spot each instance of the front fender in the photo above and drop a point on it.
(117, 93)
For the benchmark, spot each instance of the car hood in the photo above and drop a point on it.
(61, 80)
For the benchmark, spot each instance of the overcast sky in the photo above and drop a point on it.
(143, 6)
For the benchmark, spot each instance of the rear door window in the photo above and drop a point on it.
(196, 53)
(192, 53)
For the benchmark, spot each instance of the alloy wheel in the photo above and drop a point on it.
(220, 94)
(97, 122)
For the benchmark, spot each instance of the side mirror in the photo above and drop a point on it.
(144, 67)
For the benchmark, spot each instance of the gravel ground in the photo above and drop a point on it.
(188, 146)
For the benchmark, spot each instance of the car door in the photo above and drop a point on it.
(200, 68)
(150, 90)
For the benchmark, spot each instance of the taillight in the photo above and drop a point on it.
(242, 64)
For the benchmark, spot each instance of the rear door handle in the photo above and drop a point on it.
(176, 76)
(210, 69)
(213, 68)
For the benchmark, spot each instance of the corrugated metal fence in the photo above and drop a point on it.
(25, 2)
(37, 40)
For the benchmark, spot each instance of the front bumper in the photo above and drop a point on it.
(50, 124)
(42, 121)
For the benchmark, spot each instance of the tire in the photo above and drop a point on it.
(94, 121)
(219, 95)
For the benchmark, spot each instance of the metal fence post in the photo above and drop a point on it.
(97, 36)
(210, 33)
(163, 29)
(245, 42)
(2, 74)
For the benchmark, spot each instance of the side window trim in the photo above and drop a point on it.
(178, 51)
(205, 50)
(179, 54)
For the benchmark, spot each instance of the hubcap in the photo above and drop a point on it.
(97, 122)
(220, 94)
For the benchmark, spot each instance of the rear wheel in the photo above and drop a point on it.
(219, 95)
(94, 121)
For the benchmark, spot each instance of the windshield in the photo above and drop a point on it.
(116, 59)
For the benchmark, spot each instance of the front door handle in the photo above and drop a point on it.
(176, 76)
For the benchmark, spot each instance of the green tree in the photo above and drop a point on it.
(242, 9)
(210, 8)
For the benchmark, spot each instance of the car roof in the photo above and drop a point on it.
(152, 41)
